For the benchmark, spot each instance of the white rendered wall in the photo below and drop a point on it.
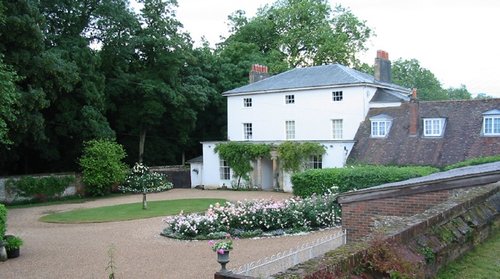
(196, 174)
(312, 112)
(211, 167)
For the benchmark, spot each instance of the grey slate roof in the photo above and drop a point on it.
(198, 159)
(317, 76)
(462, 138)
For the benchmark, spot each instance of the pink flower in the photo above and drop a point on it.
(211, 242)
(220, 251)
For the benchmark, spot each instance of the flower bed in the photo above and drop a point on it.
(251, 218)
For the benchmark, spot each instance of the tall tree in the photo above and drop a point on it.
(410, 74)
(460, 93)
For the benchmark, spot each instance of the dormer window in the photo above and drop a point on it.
(433, 127)
(380, 124)
(491, 123)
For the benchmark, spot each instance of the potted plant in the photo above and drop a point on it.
(222, 247)
(12, 245)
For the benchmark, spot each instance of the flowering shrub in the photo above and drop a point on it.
(141, 180)
(254, 217)
(222, 245)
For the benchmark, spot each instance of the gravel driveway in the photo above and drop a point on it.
(81, 250)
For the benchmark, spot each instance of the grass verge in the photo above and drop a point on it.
(130, 211)
(482, 262)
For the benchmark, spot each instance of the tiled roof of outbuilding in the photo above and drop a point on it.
(462, 138)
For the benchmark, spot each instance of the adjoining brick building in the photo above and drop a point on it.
(436, 133)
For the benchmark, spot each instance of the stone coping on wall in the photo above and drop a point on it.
(456, 178)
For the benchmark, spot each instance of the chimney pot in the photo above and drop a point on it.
(258, 72)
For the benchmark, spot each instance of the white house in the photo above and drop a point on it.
(323, 104)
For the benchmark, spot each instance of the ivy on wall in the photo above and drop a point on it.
(238, 156)
(293, 154)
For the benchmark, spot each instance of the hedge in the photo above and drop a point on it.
(3, 221)
(352, 178)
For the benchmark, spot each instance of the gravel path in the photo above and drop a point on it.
(81, 250)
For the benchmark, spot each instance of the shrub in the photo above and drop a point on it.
(3, 221)
(39, 187)
(473, 162)
(263, 216)
(102, 166)
(352, 178)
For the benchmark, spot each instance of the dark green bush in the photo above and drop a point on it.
(3, 221)
(473, 162)
(351, 178)
(39, 187)
(102, 166)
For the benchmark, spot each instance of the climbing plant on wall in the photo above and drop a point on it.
(294, 154)
(238, 156)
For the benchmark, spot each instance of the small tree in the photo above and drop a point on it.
(141, 180)
(102, 166)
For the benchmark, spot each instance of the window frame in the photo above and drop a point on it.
(315, 162)
(224, 170)
(247, 102)
(431, 131)
(289, 99)
(336, 132)
(247, 131)
(337, 96)
(290, 129)
(386, 128)
(494, 120)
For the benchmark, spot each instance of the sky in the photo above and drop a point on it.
(456, 40)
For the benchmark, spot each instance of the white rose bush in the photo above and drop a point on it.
(251, 218)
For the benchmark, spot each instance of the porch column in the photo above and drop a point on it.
(274, 158)
(258, 180)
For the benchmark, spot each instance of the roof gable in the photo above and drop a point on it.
(311, 77)
(492, 112)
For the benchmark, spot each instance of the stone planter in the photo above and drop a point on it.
(223, 259)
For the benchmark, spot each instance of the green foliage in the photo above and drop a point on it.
(9, 101)
(238, 155)
(428, 254)
(39, 187)
(301, 33)
(460, 93)
(3, 221)
(295, 154)
(142, 180)
(13, 242)
(102, 166)
(474, 161)
(352, 178)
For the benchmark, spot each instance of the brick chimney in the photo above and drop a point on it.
(382, 66)
(257, 73)
(414, 116)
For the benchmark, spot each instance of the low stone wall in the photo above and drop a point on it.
(74, 188)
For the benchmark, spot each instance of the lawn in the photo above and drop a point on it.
(131, 211)
(481, 263)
